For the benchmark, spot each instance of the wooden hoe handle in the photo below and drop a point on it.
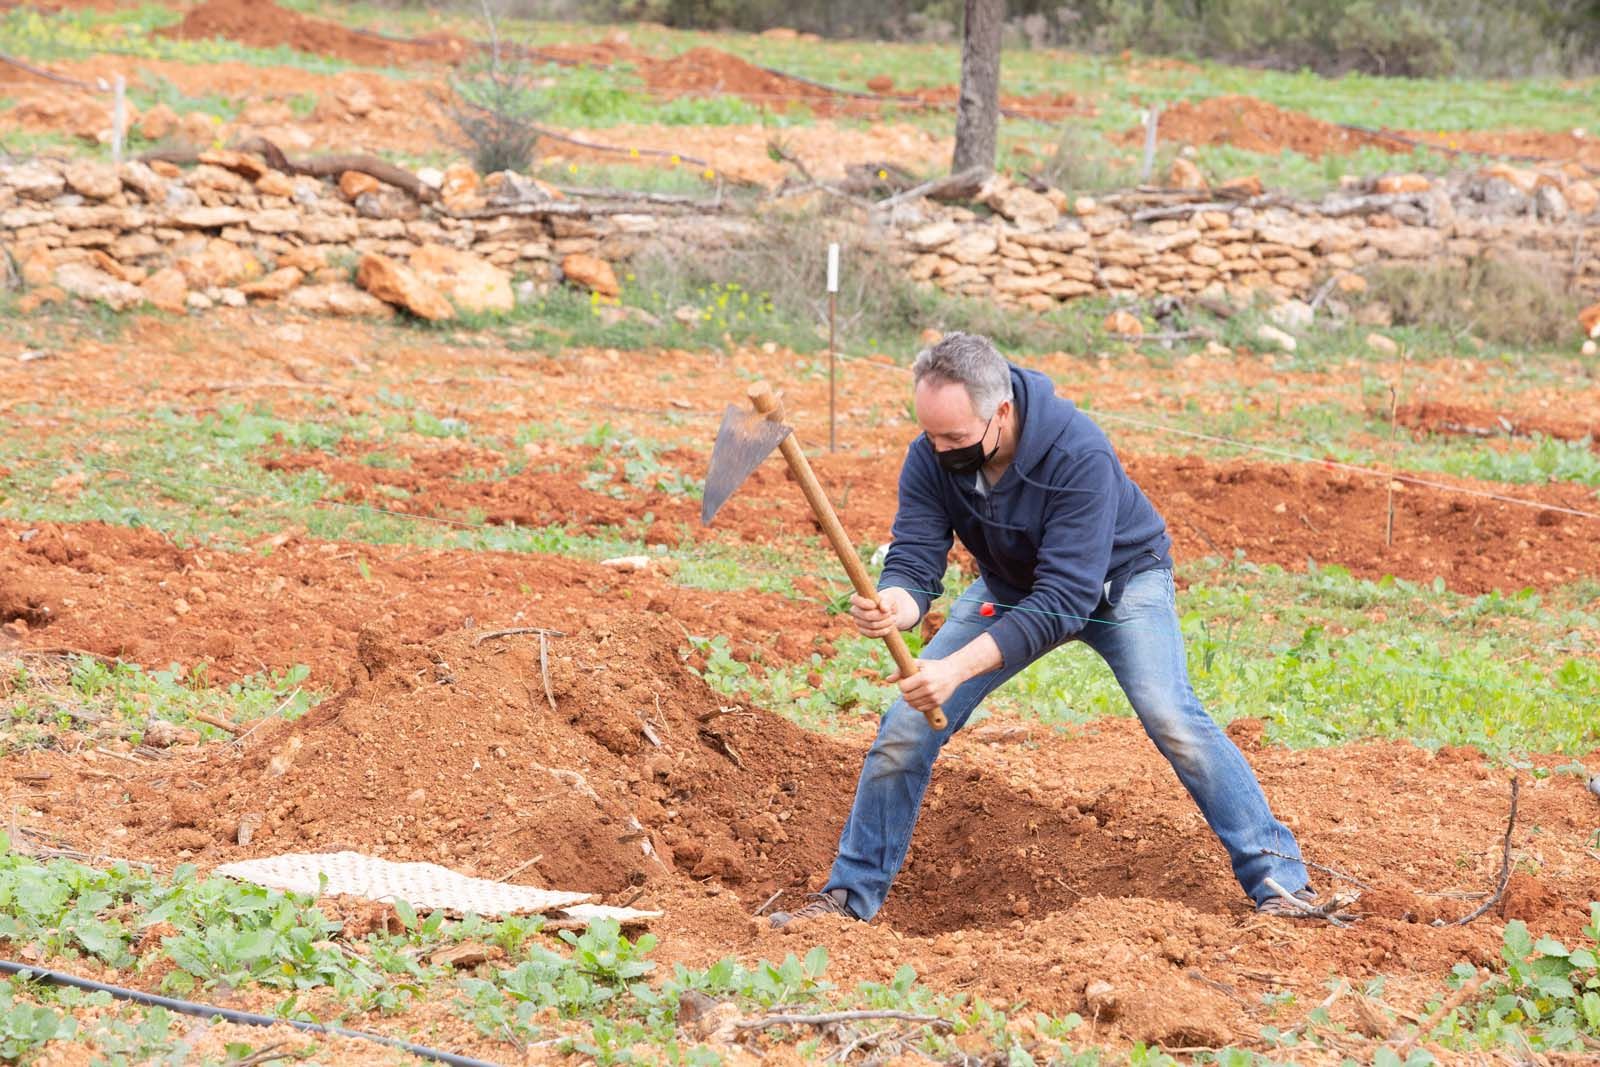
(766, 403)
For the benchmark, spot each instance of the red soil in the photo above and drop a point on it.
(264, 24)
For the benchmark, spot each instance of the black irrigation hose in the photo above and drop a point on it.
(248, 1018)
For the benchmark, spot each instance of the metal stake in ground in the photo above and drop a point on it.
(743, 441)
(833, 310)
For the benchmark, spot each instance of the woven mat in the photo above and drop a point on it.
(425, 886)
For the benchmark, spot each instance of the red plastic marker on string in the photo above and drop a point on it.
(986, 609)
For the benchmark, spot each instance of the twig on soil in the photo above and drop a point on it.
(1449, 1004)
(221, 724)
(263, 1055)
(519, 868)
(1505, 863)
(1322, 911)
(1352, 879)
(831, 1017)
(544, 669)
(544, 651)
(773, 899)
(481, 638)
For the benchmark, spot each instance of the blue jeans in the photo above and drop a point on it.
(1139, 638)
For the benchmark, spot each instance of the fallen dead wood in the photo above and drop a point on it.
(567, 208)
(950, 187)
(1505, 865)
(48, 75)
(315, 167)
(1448, 1005)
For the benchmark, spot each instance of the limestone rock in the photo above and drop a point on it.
(210, 218)
(1384, 346)
(34, 181)
(151, 187)
(90, 283)
(1246, 186)
(221, 263)
(459, 190)
(933, 235)
(275, 183)
(96, 181)
(1184, 174)
(397, 284)
(1582, 197)
(274, 285)
(1292, 314)
(167, 290)
(339, 298)
(1550, 203)
(245, 164)
(198, 127)
(1523, 180)
(1123, 322)
(36, 266)
(1274, 336)
(1031, 211)
(132, 275)
(1390, 184)
(974, 247)
(157, 123)
(352, 183)
(1589, 319)
(1407, 242)
(591, 273)
(469, 281)
(34, 299)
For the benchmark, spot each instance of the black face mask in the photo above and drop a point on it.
(968, 458)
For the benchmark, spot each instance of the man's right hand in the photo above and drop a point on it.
(894, 609)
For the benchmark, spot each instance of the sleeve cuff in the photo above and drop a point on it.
(1011, 641)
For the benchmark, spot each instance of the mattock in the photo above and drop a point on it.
(743, 441)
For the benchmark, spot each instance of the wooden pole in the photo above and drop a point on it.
(766, 403)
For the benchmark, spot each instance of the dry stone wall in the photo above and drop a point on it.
(232, 230)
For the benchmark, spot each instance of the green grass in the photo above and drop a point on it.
(200, 480)
(1343, 659)
(595, 995)
(47, 704)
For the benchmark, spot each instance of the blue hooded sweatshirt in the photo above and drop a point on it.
(1061, 532)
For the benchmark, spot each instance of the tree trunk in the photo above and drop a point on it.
(978, 110)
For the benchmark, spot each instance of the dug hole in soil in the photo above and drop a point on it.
(1045, 867)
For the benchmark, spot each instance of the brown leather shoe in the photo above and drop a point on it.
(815, 907)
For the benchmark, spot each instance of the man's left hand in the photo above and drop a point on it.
(932, 685)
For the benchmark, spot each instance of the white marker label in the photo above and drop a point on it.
(833, 268)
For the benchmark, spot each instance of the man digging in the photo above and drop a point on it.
(1068, 548)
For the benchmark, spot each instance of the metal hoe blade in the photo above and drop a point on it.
(744, 439)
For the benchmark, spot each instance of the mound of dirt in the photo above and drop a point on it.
(1256, 126)
(451, 753)
(710, 70)
(266, 25)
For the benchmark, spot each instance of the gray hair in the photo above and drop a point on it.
(971, 360)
